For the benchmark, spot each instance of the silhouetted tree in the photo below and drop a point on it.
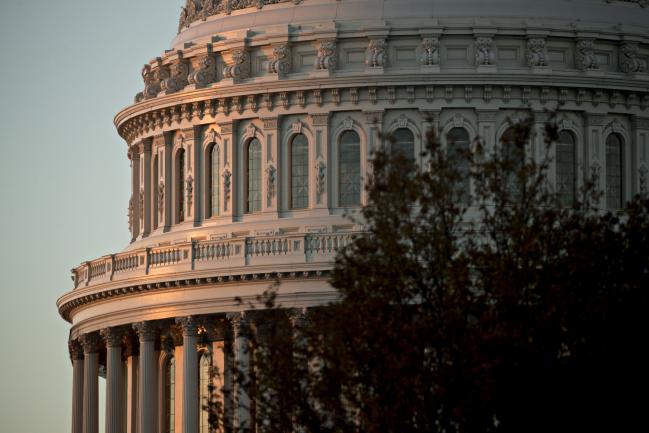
(494, 309)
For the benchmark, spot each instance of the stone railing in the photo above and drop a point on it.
(220, 255)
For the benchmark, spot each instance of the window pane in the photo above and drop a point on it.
(458, 146)
(214, 184)
(299, 172)
(566, 172)
(204, 391)
(404, 143)
(614, 170)
(349, 176)
(180, 182)
(254, 176)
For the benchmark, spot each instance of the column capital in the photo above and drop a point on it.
(298, 317)
(132, 346)
(75, 349)
(112, 336)
(146, 331)
(189, 325)
(90, 342)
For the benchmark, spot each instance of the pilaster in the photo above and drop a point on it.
(322, 176)
(134, 204)
(229, 169)
(595, 169)
(270, 163)
(145, 186)
(168, 179)
(640, 154)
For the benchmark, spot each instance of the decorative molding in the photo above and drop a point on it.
(271, 177)
(376, 56)
(537, 54)
(484, 55)
(204, 70)
(430, 52)
(585, 55)
(327, 54)
(281, 61)
(240, 67)
(629, 58)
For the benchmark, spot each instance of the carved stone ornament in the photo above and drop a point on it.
(141, 202)
(271, 178)
(179, 141)
(629, 60)
(483, 51)
(90, 343)
(281, 62)
(189, 325)
(326, 59)
(348, 124)
(131, 214)
(240, 67)
(251, 130)
(189, 188)
(585, 55)
(195, 10)
(204, 71)
(376, 56)
(177, 78)
(227, 183)
(75, 349)
(430, 51)
(161, 198)
(320, 177)
(536, 53)
(400, 122)
(112, 336)
(296, 126)
(146, 331)
(643, 184)
(210, 137)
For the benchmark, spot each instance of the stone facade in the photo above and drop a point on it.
(250, 142)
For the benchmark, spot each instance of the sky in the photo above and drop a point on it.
(66, 68)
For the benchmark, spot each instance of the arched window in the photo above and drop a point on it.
(349, 169)
(513, 153)
(180, 186)
(214, 181)
(457, 148)
(566, 168)
(170, 396)
(204, 381)
(614, 171)
(154, 188)
(299, 172)
(253, 172)
(404, 143)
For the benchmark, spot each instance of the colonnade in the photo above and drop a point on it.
(134, 390)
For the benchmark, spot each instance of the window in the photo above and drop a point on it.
(614, 172)
(170, 396)
(214, 185)
(404, 143)
(253, 202)
(180, 185)
(299, 172)
(204, 381)
(566, 168)
(154, 188)
(349, 169)
(457, 148)
(513, 154)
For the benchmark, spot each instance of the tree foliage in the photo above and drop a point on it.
(494, 310)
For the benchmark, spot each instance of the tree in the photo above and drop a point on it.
(491, 310)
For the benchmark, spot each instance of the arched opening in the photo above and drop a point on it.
(457, 148)
(349, 169)
(213, 179)
(614, 171)
(566, 168)
(154, 196)
(253, 175)
(299, 155)
(180, 186)
(403, 143)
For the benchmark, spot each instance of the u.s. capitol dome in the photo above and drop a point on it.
(249, 144)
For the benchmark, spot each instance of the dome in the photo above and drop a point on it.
(251, 139)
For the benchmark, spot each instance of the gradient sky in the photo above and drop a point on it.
(67, 67)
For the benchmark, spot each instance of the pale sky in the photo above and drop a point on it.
(66, 68)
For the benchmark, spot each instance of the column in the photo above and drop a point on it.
(595, 166)
(640, 155)
(145, 186)
(132, 362)
(90, 343)
(241, 414)
(147, 377)
(114, 380)
(195, 169)
(190, 374)
(430, 122)
(134, 207)
(270, 165)
(76, 355)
